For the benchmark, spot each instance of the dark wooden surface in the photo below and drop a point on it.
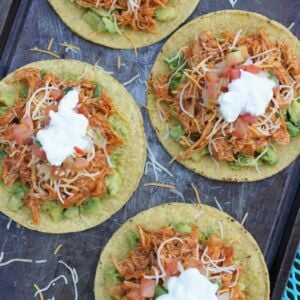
(268, 203)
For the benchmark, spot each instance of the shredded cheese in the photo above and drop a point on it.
(163, 272)
(131, 80)
(236, 38)
(8, 224)
(178, 194)
(162, 185)
(196, 192)
(52, 282)
(2, 264)
(119, 62)
(156, 165)
(70, 46)
(218, 204)
(38, 290)
(74, 277)
(35, 49)
(244, 218)
(50, 44)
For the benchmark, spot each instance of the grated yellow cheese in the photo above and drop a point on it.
(196, 193)
(67, 45)
(39, 291)
(50, 44)
(57, 249)
(162, 185)
(35, 49)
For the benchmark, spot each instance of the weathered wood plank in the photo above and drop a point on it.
(287, 250)
(268, 202)
(8, 10)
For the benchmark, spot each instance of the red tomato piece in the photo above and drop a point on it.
(148, 288)
(254, 69)
(212, 90)
(212, 76)
(195, 263)
(56, 95)
(38, 152)
(248, 118)
(21, 134)
(240, 129)
(79, 151)
(234, 74)
(80, 164)
(135, 294)
(171, 266)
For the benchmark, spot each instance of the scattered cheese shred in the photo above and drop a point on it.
(196, 193)
(71, 46)
(131, 80)
(244, 218)
(178, 194)
(119, 62)
(50, 44)
(162, 245)
(8, 224)
(74, 278)
(155, 165)
(57, 249)
(218, 204)
(162, 185)
(52, 282)
(35, 49)
(16, 260)
(38, 290)
(233, 3)
(291, 26)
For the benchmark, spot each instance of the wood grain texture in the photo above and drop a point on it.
(268, 202)
(8, 10)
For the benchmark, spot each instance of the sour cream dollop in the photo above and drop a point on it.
(66, 130)
(251, 93)
(190, 285)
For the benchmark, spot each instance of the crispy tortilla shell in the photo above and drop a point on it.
(131, 165)
(230, 20)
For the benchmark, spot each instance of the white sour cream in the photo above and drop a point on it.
(66, 130)
(249, 94)
(190, 285)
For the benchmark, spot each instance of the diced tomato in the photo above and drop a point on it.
(212, 77)
(234, 74)
(254, 69)
(38, 152)
(195, 263)
(51, 108)
(135, 294)
(27, 122)
(276, 89)
(56, 95)
(240, 129)
(68, 162)
(78, 151)
(212, 90)
(147, 288)
(171, 266)
(248, 118)
(80, 164)
(21, 133)
(224, 84)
